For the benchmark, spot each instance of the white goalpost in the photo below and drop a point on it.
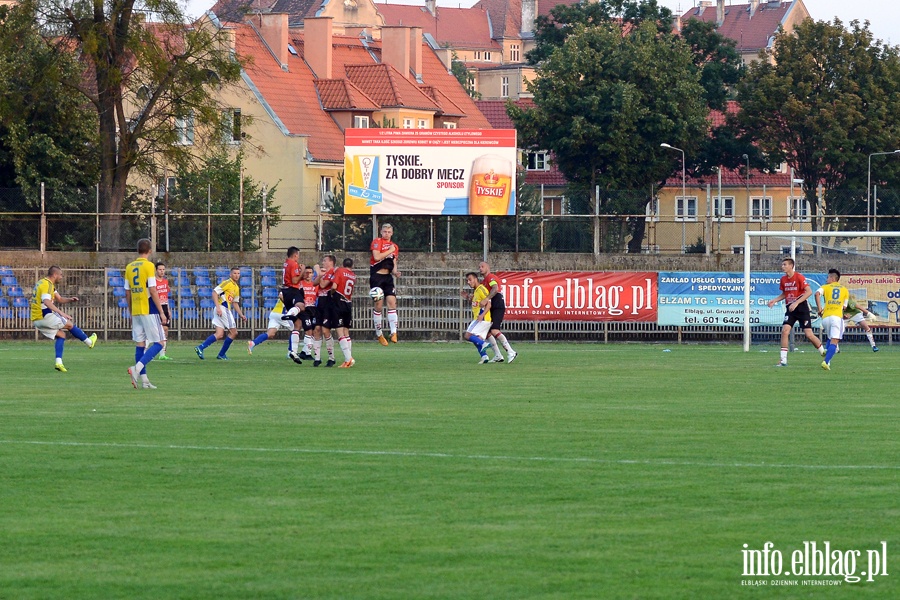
(793, 236)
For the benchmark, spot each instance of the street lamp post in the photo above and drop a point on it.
(683, 191)
(747, 177)
(869, 185)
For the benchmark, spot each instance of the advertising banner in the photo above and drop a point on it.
(578, 296)
(877, 293)
(705, 298)
(430, 171)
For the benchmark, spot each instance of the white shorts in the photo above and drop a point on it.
(147, 328)
(50, 325)
(226, 321)
(833, 327)
(856, 319)
(276, 322)
(479, 328)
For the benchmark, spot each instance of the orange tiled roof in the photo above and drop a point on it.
(749, 33)
(341, 94)
(234, 10)
(388, 87)
(448, 107)
(455, 27)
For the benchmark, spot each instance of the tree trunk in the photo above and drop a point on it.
(638, 225)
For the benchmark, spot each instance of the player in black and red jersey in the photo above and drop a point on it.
(324, 280)
(382, 270)
(342, 286)
(497, 306)
(292, 296)
(309, 316)
(795, 291)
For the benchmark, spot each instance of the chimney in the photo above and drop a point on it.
(395, 48)
(317, 49)
(415, 52)
(720, 13)
(754, 4)
(431, 6)
(273, 28)
(676, 23)
(529, 13)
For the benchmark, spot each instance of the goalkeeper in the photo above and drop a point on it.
(855, 314)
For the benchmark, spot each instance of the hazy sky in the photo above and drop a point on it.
(883, 15)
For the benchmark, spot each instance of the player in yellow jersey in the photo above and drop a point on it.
(50, 320)
(836, 298)
(275, 323)
(147, 316)
(480, 326)
(227, 298)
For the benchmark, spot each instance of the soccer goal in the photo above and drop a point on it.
(886, 246)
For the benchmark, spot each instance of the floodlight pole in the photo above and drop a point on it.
(683, 191)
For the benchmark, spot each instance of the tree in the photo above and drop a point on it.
(47, 134)
(464, 76)
(823, 100)
(604, 102)
(167, 71)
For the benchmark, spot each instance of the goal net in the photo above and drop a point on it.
(869, 263)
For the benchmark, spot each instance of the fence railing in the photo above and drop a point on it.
(53, 223)
(429, 304)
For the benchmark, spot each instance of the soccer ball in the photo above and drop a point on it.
(376, 293)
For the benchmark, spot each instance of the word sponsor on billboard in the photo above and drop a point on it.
(430, 171)
(579, 296)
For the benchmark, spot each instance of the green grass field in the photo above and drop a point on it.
(579, 471)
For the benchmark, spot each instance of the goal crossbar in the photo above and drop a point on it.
(749, 235)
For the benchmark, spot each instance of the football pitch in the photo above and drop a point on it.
(578, 471)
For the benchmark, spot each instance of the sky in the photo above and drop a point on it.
(883, 15)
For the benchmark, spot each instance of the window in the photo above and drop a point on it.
(514, 53)
(449, 125)
(760, 209)
(537, 161)
(724, 208)
(799, 210)
(487, 56)
(686, 208)
(652, 210)
(554, 205)
(360, 121)
(164, 186)
(407, 124)
(478, 55)
(423, 124)
(184, 130)
(327, 191)
(232, 126)
(504, 87)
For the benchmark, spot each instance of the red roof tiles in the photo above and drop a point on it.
(341, 94)
(454, 27)
(750, 33)
(386, 86)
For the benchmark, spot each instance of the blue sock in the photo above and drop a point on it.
(60, 342)
(290, 343)
(208, 342)
(225, 345)
(149, 354)
(78, 333)
(139, 357)
(260, 338)
(831, 351)
(479, 343)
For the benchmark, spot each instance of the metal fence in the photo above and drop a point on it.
(70, 220)
(429, 304)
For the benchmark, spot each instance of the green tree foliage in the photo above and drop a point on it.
(140, 77)
(604, 102)
(825, 98)
(464, 76)
(48, 133)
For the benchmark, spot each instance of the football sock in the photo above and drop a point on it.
(295, 341)
(59, 345)
(307, 343)
(494, 347)
(392, 320)
(225, 345)
(149, 354)
(784, 352)
(502, 339)
(317, 349)
(294, 311)
(823, 348)
(477, 341)
(832, 349)
(344, 343)
(163, 352)
(260, 338)
(376, 318)
(78, 333)
(208, 342)
(871, 338)
(329, 347)
(138, 355)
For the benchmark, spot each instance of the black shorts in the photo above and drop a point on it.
(291, 296)
(165, 308)
(343, 313)
(497, 317)
(310, 318)
(325, 310)
(383, 280)
(799, 315)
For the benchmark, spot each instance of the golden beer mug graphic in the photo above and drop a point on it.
(490, 188)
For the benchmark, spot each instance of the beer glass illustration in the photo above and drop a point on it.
(490, 186)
